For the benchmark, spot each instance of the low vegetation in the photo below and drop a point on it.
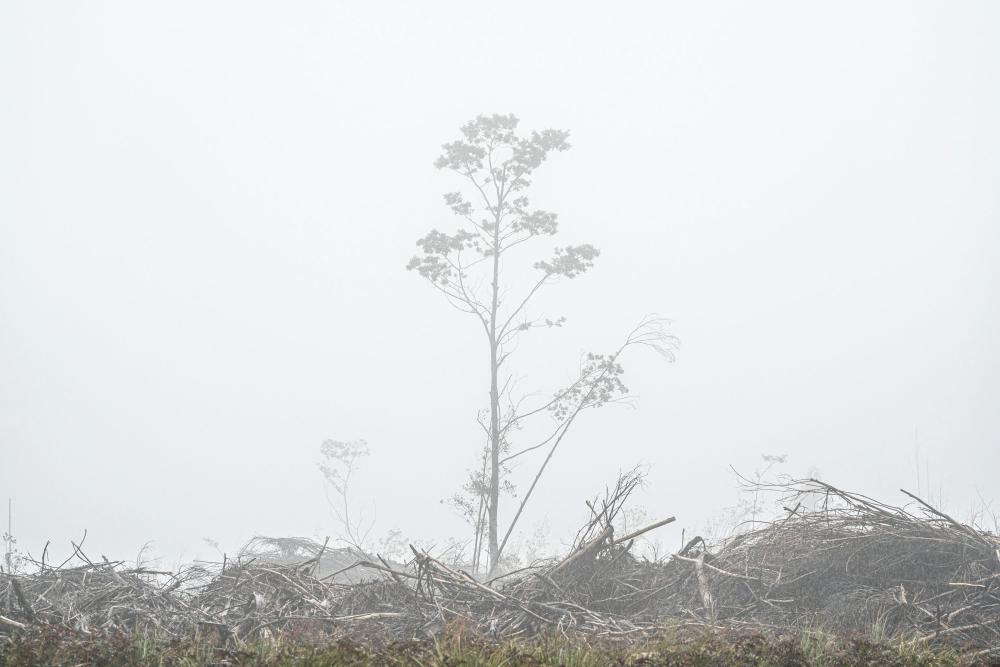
(54, 646)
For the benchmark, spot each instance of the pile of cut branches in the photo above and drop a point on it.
(852, 565)
(849, 565)
(93, 595)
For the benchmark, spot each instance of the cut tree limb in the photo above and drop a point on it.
(642, 531)
(12, 623)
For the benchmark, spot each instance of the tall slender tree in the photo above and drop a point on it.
(468, 267)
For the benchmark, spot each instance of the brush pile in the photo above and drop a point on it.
(835, 560)
(102, 595)
(850, 564)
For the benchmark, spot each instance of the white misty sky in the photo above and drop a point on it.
(206, 210)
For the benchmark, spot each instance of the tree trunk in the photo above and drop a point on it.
(494, 460)
(494, 500)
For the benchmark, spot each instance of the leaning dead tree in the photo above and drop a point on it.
(470, 268)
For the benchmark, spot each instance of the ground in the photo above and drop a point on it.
(60, 647)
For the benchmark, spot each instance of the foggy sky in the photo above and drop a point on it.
(206, 210)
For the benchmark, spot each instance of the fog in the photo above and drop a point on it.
(206, 211)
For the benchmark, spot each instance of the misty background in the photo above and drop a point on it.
(206, 210)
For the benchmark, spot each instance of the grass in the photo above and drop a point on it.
(60, 647)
